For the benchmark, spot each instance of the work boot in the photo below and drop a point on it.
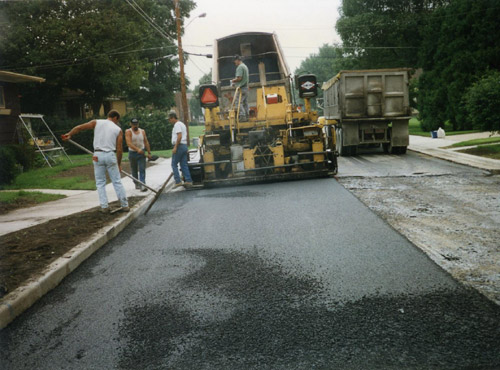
(177, 185)
(143, 188)
(104, 210)
(188, 184)
(137, 185)
(124, 209)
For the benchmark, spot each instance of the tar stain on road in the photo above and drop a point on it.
(280, 321)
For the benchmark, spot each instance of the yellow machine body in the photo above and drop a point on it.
(278, 140)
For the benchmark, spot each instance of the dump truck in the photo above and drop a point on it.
(278, 141)
(368, 108)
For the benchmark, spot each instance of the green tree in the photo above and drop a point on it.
(326, 63)
(481, 102)
(460, 45)
(384, 33)
(101, 48)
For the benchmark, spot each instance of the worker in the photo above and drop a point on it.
(241, 81)
(179, 151)
(108, 149)
(137, 143)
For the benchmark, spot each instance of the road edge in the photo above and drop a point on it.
(19, 300)
(486, 164)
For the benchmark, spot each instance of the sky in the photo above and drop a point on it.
(302, 26)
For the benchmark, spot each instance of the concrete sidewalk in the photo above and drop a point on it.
(16, 302)
(435, 148)
(79, 200)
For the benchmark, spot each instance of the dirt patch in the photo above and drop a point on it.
(453, 218)
(26, 253)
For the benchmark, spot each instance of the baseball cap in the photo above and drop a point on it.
(134, 121)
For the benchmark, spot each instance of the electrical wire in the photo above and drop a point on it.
(148, 19)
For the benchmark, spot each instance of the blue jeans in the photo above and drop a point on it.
(137, 164)
(107, 162)
(181, 157)
(244, 102)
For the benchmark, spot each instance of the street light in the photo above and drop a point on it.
(202, 15)
(184, 105)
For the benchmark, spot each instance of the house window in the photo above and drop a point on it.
(2, 98)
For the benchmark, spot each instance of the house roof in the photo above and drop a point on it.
(17, 77)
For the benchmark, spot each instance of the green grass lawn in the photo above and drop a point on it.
(488, 151)
(44, 178)
(415, 129)
(488, 140)
(195, 131)
(9, 197)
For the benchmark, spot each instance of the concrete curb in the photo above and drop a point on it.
(19, 300)
(491, 165)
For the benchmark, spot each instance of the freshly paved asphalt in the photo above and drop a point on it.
(295, 275)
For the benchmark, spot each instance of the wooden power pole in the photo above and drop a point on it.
(184, 105)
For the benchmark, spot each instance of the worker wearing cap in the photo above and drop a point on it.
(241, 81)
(108, 149)
(179, 151)
(137, 143)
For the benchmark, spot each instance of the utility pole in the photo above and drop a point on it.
(184, 105)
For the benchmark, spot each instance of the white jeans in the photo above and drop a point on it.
(106, 161)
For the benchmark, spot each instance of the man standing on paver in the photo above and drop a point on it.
(108, 149)
(241, 81)
(180, 151)
(137, 143)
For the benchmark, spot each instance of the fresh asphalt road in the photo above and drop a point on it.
(293, 275)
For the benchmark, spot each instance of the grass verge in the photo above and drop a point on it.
(9, 197)
(488, 151)
(12, 200)
(415, 129)
(488, 140)
(45, 178)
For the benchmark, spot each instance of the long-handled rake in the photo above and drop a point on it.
(157, 192)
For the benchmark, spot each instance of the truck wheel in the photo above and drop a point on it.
(385, 146)
(402, 150)
(353, 150)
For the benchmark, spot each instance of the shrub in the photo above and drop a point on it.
(158, 129)
(24, 155)
(8, 170)
(482, 100)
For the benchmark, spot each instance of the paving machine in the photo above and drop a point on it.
(278, 141)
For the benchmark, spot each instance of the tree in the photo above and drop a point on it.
(327, 63)
(481, 102)
(384, 33)
(101, 48)
(460, 45)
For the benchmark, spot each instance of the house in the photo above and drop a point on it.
(10, 106)
(72, 105)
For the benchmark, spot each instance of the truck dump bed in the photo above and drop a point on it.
(367, 94)
(369, 107)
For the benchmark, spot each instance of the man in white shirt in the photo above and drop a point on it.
(108, 139)
(180, 151)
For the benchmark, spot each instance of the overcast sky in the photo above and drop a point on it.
(302, 27)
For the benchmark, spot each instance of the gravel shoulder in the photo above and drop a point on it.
(454, 219)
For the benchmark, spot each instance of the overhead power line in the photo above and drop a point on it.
(148, 19)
